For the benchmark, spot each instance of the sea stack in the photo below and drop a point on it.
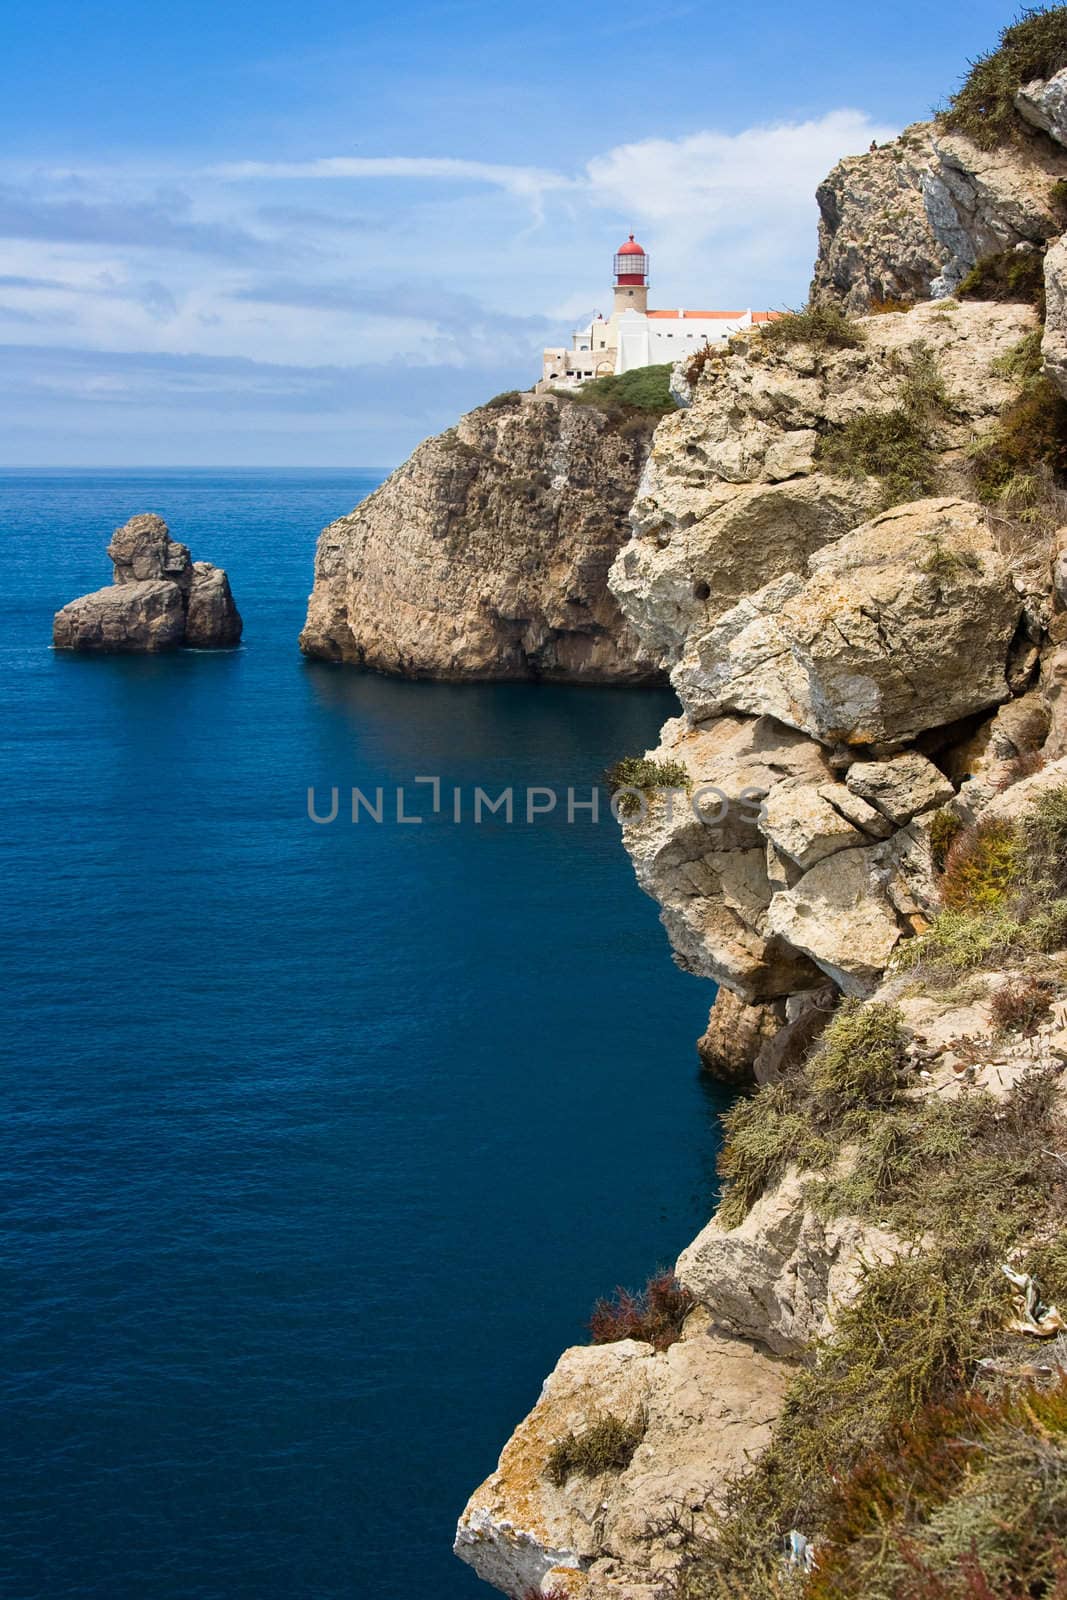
(160, 599)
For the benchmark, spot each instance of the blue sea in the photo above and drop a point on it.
(317, 1141)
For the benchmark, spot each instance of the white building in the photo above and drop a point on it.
(634, 336)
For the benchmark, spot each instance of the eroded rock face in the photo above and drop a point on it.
(709, 1400)
(865, 648)
(1054, 338)
(159, 600)
(486, 554)
(980, 202)
(715, 523)
(140, 616)
(875, 239)
(782, 1275)
(735, 1035)
(1043, 104)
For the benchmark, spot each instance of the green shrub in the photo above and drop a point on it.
(983, 109)
(945, 826)
(825, 327)
(1023, 360)
(1031, 434)
(982, 867)
(607, 1445)
(963, 941)
(643, 389)
(1012, 275)
(857, 1067)
(1057, 197)
(503, 401)
(638, 772)
(1045, 842)
(899, 446)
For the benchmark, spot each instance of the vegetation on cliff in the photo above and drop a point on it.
(983, 108)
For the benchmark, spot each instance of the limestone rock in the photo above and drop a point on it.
(1043, 104)
(841, 916)
(486, 554)
(736, 1034)
(145, 615)
(142, 548)
(867, 648)
(212, 620)
(709, 873)
(901, 787)
(160, 599)
(713, 522)
(782, 1274)
(801, 823)
(710, 1402)
(1054, 338)
(980, 202)
(875, 240)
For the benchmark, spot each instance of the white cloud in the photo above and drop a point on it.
(525, 182)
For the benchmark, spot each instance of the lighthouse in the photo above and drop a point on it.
(633, 336)
(631, 277)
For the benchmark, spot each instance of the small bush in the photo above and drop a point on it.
(1045, 836)
(1023, 360)
(963, 941)
(1047, 928)
(504, 400)
(1030, 434)
(637, 772)
(885, 308)
(982, 867)
(857, 1067)
(823, 326)
(643, 389)
(898, 446)
(1020, 1007)
(607, 1445)
(656, 1315)
(945, 827)
(1057, 197)
(1011, 275)
(983, 108)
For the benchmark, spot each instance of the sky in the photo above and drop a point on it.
(311, 234)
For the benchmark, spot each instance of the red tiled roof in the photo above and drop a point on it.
(757, 316)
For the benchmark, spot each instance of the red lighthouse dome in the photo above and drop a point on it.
(631, 264)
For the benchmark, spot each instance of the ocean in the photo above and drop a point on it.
(317, 1141)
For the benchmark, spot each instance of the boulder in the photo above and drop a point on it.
(160, 599)
(1043, 104)
(709, 872)
(841, 916)
(901, 787)
(708, 1402)
(145, 616)
(782, 1275)
(212, 620)
(867, 648)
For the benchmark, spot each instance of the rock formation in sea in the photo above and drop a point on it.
(486, 554)
(160, 599)
(848, 550)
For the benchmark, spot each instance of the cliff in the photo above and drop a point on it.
(849, 550)
(486, 554)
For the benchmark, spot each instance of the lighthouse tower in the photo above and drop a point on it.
(631, 277)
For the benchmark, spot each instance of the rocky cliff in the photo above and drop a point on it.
(486, 554)
(848, 550)
(160, 599)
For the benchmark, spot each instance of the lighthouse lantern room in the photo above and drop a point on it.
(631, 277)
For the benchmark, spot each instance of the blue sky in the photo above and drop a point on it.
(310, 234)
